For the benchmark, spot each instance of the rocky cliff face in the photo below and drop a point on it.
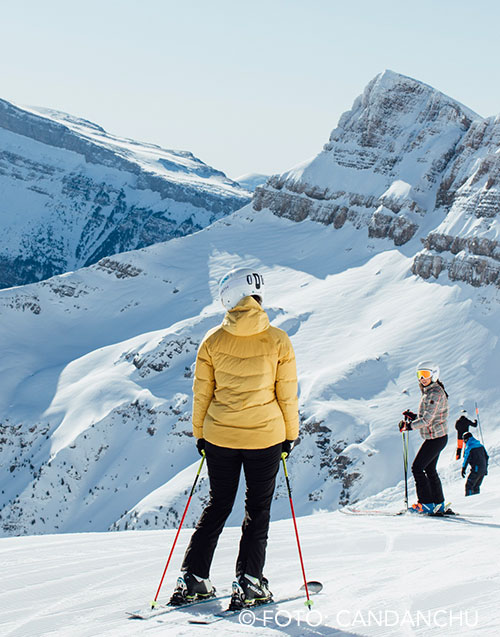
(466, 243)
(405, 162)
(72, 194)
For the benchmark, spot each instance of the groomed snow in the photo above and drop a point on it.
(382, 576)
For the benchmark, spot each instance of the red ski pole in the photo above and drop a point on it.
(154, 602)
(309, 602)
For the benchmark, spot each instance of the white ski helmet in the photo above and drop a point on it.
(428, 366)
(239, 283)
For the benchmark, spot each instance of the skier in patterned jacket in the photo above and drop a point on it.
(245, 414)
(431, 421)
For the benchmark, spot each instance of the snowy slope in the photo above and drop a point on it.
(96, 367)
(71, 193)
(97, 370)
(382, 577)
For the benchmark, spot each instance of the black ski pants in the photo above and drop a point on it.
(224, 467)
(424, 471)
(474, 481)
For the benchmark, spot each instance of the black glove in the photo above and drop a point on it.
(463, 472)
(287, 446)
(409, 415)
(404, 425)
(200, 445)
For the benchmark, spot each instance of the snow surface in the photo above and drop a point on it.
(382, 576)
(96, 371)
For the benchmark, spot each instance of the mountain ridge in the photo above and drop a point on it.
(73, 194)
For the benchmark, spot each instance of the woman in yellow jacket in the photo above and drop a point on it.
(245, 414)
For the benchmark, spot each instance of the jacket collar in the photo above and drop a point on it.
(473, 442)
(246, 318)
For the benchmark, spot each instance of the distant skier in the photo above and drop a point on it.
(475, 455)
(462, 425)
(431, 421)
(245, 413)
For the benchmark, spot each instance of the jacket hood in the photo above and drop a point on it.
(246, 318)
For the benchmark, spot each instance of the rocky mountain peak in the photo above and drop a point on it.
(405, 155)
(392, 106)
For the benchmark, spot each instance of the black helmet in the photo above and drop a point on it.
(467, 435)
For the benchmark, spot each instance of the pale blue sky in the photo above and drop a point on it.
(251, 86)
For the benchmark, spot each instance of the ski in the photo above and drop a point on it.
(353, 511)
(313, 588)
(461, 516)
(378, 512)
(162, 609)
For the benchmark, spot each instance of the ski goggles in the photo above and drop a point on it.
(424, 373)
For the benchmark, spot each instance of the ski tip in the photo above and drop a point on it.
(137, 614)
(312, 587)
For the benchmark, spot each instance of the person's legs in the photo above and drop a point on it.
(478, 483)
(261, 467)
(432, 475)
(224, 467)
(469, 485)
(473, 483)
(427, 482)
(418, 469)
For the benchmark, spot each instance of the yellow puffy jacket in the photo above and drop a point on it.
(245, 382)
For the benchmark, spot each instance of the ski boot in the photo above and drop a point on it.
(248, 591)
(191, 588)
(415, 508)
(439, 509)
(426, 509)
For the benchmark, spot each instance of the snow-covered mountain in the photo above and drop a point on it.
(406, 160)
(97, 364)
(71, 194)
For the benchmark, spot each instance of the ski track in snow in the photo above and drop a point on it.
(80, 585)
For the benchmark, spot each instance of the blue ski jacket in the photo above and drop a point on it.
(473, 443)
